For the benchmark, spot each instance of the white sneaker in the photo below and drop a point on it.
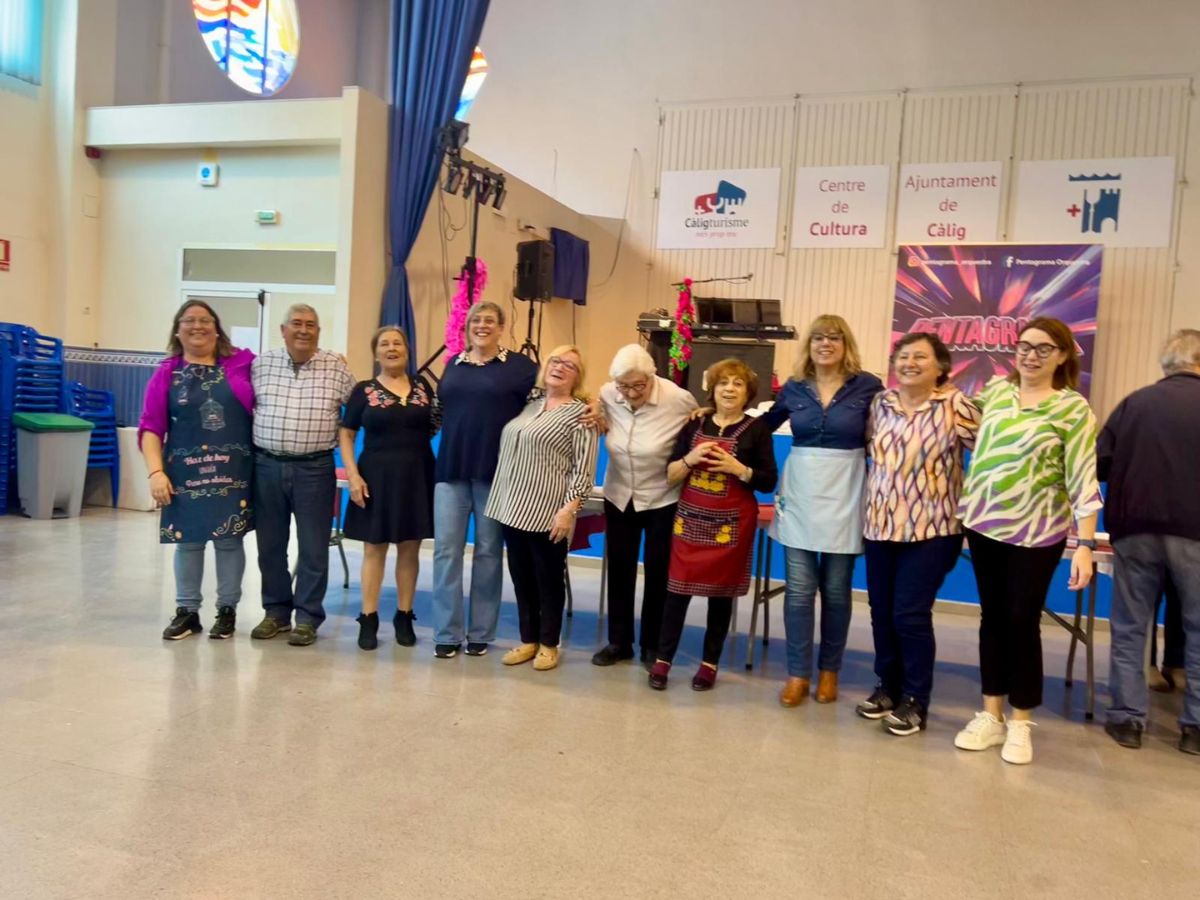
(1018, 746)
(982, 732)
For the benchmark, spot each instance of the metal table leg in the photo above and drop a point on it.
(760, 550)
(1091, 628)
(1075, 632)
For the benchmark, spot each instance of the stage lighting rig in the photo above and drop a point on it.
(453, 137)
(479, 184)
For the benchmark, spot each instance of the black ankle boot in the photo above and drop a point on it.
(368, 627)
(405, 636)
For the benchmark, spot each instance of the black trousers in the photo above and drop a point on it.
(623, 537)
(903, 578)
(720, 611)
(537, 566)
(1012, 582)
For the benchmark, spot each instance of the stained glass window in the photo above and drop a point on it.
(475, 76)
(254, 42)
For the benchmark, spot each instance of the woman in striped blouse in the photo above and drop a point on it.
(1032, 473)
(545, 473)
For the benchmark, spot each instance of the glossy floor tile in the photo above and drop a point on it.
(131, 767)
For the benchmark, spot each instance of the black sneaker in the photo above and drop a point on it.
(446, 651)
(368, 628)
(402, 621)
(907, 718)
(878, 705)
(224, 626)
(611, 654)
(184, 625)
(476, 648)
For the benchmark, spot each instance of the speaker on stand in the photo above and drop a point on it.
(534, 283)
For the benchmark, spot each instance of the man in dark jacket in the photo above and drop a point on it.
(1147, 453)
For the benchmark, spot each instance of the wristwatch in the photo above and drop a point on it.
(1087, 542)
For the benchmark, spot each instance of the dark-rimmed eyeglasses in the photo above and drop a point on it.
(1043, 351)
(834, 337)
(565, 363)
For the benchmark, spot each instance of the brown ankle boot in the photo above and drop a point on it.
(827, 687)
(794, 692)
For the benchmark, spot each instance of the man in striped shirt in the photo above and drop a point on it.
(299, 391)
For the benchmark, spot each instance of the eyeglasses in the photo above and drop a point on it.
(193, 321)
(1043, 351)
(565, 363)
(833, 337)
(636, 388)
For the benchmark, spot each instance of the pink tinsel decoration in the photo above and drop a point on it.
(457, 323)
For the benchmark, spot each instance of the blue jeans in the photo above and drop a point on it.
(808, 572)
(304, 489)
(1142, 562)
(189, 572)
(903, 578)
(454, 502)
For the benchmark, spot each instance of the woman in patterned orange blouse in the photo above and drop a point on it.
(917, 433)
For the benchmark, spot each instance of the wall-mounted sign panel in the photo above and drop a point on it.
(1115, 202)
(952, 203)
(840, 206)
(718, 208)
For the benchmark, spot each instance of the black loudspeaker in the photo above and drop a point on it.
(535, 270)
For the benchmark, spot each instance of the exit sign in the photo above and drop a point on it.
(5, 254)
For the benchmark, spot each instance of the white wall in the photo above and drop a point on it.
(573, 86)
(153, 206)
(23, 221)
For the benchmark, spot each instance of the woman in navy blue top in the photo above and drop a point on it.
(481, 390)
(818, 507)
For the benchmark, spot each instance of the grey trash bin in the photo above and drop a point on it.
(52, 456)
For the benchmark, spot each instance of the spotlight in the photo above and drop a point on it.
(468, 187)
(453, 137)
(484, 194)
(454, 178)
(501, 193)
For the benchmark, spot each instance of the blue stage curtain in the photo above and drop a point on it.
(431, 51)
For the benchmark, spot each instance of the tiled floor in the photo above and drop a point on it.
(130, 767)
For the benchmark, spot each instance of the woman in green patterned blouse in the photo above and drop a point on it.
(1033, 473)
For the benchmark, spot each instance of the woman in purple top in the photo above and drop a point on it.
(195, 435)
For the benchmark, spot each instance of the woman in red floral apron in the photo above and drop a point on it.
(725, 456)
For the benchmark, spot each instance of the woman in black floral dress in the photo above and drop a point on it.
(391, 484)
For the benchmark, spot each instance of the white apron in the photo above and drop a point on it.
(819, 503)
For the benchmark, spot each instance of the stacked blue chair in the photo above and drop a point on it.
(98, 407)
(31, 380)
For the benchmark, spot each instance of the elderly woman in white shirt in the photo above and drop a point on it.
(644, 414)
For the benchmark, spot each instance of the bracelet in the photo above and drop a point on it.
(155, 472)
(686, 463)
(1090, 543)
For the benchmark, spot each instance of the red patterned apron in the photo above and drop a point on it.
(713, 535)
